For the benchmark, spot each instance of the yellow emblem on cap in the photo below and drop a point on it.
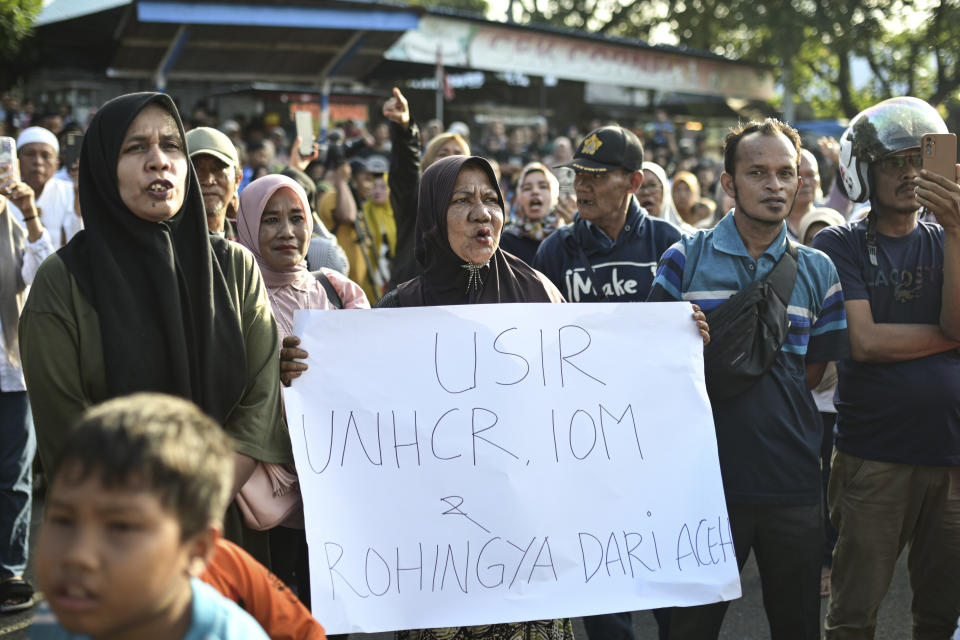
(591, 144)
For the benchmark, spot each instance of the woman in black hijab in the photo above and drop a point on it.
(146, 300)
(459, 220)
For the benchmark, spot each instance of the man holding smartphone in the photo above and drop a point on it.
(22, 249)
(38, 151)
(895, 479)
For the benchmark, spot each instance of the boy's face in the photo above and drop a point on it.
(111, 561)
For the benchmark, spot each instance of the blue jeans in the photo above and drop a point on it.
(17, 447)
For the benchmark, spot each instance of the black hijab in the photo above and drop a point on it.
(444, 278)
(167, 320)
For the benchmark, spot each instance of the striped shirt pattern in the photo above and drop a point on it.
(710, 266)
(769, 437)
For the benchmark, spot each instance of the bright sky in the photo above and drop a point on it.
(660, 35)
(909, 17)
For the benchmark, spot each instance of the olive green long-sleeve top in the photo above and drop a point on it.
(62, 353)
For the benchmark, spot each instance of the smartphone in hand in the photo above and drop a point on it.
(939, 154)
(565, 176)
(71, 152)
(9, 167)
(304, 122)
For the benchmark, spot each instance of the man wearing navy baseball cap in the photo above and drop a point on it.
(610, 252)
(608, 149)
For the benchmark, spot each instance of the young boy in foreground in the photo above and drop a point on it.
(133, 514)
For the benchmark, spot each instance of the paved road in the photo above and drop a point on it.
(745, 619)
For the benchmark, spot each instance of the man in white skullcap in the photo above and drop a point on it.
(38, 150)
(22, 248)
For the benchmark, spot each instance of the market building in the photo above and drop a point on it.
(340, 58)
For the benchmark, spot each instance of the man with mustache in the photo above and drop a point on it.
(768, 434)
(217, 164)
(895, 478)
(610, 252)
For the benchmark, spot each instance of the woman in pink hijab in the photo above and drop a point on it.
(274, 223)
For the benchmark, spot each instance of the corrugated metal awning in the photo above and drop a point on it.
(289, 41)
(60, 10)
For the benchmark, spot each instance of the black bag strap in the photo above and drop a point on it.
(780, 280)
(784, 274)
(332, 294)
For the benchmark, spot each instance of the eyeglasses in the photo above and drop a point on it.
(647, 187)
(899, 162)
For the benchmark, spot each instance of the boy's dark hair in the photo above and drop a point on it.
(769, 127)
(155, 442)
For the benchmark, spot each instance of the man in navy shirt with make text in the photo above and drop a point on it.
(768, 437)
(895, 479)
(610, 252)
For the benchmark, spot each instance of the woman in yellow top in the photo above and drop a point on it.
(382, 227)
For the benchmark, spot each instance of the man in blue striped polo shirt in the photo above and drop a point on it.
(769, 436)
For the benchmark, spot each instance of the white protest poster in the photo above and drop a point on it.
(477, 464)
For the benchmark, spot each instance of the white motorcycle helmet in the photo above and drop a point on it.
(887, 127)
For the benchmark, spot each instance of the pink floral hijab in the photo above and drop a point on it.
(253, 200)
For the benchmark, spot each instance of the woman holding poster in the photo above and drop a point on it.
(459, 219)
(274, 222)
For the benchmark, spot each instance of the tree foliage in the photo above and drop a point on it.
(479, 7)
(16, 24)
(909, 46)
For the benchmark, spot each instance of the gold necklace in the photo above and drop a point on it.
(475, 281)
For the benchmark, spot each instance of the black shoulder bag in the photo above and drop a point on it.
(748, 330)
(332, 294)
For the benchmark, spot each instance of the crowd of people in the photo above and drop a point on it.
(147, 318)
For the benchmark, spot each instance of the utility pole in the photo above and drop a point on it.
(789, 108)
(438, 95)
